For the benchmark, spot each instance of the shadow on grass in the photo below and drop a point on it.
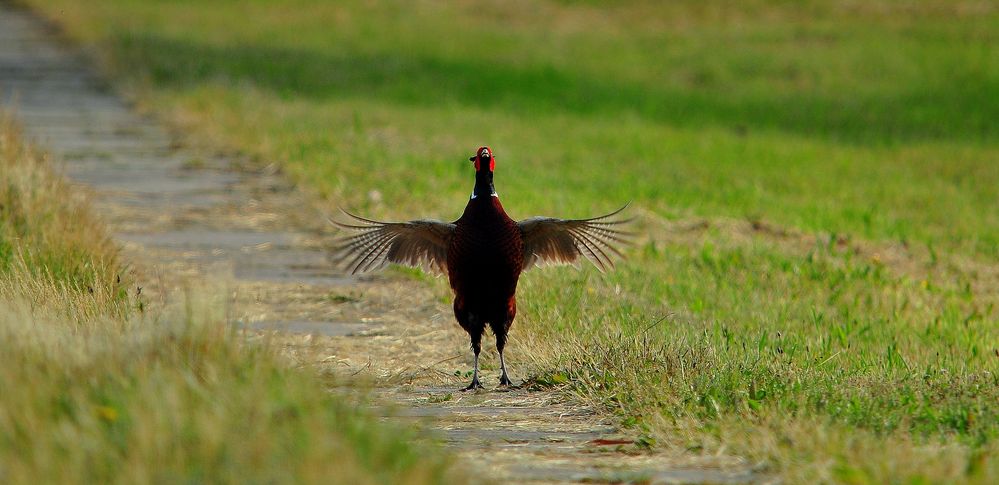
(961, 111)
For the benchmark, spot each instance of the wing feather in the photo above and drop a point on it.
(548, 240)
(420, 243)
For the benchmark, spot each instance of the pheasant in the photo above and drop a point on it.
(482, 253)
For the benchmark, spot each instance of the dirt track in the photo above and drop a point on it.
(185, 219)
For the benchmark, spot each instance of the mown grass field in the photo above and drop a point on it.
(816, 182)
(95, 390)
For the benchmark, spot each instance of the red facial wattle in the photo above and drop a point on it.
(484, 153)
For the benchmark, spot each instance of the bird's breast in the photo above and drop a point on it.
(485, 256)
(478, 246)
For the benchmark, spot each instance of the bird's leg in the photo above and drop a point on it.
(504, 379)
(500, 344)
(475, 384)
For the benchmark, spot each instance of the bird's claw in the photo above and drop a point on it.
(473, 386)
(505, 381)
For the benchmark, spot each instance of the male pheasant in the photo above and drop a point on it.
(483, 253)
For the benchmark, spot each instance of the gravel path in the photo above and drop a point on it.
(193, 221)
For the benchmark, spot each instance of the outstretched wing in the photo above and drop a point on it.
(562, 241)
(421, 243)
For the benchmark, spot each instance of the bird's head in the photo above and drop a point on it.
(484, 160)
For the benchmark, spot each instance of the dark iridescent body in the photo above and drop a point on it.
(483, 254)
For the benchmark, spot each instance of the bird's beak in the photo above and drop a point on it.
(471, 158)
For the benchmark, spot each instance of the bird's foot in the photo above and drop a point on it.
(474, 385)
(505, 380)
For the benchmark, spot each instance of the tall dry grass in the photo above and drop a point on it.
(50, 242)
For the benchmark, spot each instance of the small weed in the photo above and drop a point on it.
(436, 399)
(646, 441)
(549, 380)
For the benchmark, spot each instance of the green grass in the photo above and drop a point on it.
(837, 316)
(96, 390)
